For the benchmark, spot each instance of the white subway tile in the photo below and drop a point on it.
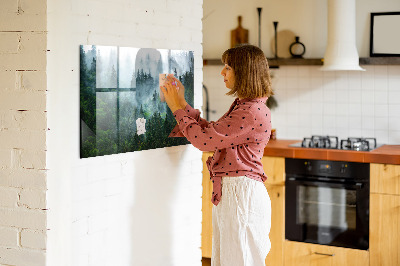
(354, 80)
(329, 94)
(380, 71)
(382, 136)
(380, 84)
(394, 71)
(382, 123)
(342, 122)
(394, 123)
(394, 110)
(381, 97)
(368, 123)
(368, 110)
(355, 132)
(342, 80)
(367, 96)
(394, 83)
(394, 97)
(292, 83)
(394, 137)
(342, 109)
(355, 122)
(291, 71)
(303, 82)
(355, 109)
(342, 96)
(381, 110)
(355, 96)
(329, 109)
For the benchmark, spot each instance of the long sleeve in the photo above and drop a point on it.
(193, 113)
(230, 131)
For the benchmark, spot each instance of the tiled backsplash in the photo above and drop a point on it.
(314, 102)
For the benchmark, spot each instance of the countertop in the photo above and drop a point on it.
(388, 154)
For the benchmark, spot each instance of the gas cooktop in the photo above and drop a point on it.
(332, 142)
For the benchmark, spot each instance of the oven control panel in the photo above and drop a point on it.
(338, 169)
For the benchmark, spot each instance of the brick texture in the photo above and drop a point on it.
(23, 125)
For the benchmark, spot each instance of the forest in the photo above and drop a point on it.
(108, 115)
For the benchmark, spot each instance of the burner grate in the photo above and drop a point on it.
(358, 144)
(327, 142)
(332, 142)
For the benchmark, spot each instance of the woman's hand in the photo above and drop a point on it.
(181, 91)
(172, 94)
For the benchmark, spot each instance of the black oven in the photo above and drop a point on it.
(327, 202)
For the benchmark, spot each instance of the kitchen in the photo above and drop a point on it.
(313, 104)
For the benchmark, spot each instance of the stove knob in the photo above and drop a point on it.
(343, 168)
(308, 166)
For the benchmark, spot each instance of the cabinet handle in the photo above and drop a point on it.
(324, 254)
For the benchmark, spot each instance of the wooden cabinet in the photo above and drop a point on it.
(206, 226)
(274, 168)
(277, 233)
(304, 254)
(385, 178)
(385, 215)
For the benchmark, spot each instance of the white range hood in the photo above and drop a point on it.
(341, 51)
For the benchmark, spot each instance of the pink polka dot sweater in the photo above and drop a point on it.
(238, 139)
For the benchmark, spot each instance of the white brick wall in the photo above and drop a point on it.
(23, 132)
(140, 208)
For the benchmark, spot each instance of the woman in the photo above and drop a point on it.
(242, 208)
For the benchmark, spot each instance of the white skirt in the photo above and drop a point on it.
(241, 223)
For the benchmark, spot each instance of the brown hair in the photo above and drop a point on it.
(250, 66)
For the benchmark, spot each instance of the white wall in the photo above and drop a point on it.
(311, 102)
(23, 133)
(140, 208)
(306, 19)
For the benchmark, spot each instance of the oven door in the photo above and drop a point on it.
(327, 213)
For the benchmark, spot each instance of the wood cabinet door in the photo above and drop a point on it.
(277, 233)
(385, 178)
(274, 168)
(304, 254)
(384, 236)
(206, 225)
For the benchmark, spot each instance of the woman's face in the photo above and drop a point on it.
(229, 76)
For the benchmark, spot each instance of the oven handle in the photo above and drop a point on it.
(357, 185)
(324, 254)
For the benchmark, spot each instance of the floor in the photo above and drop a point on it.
(206, 261)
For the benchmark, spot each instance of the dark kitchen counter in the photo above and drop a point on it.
(389, 154)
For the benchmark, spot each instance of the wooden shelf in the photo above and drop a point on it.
(380, 61)
(274, 63)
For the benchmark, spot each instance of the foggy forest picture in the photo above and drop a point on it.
(120, 106)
